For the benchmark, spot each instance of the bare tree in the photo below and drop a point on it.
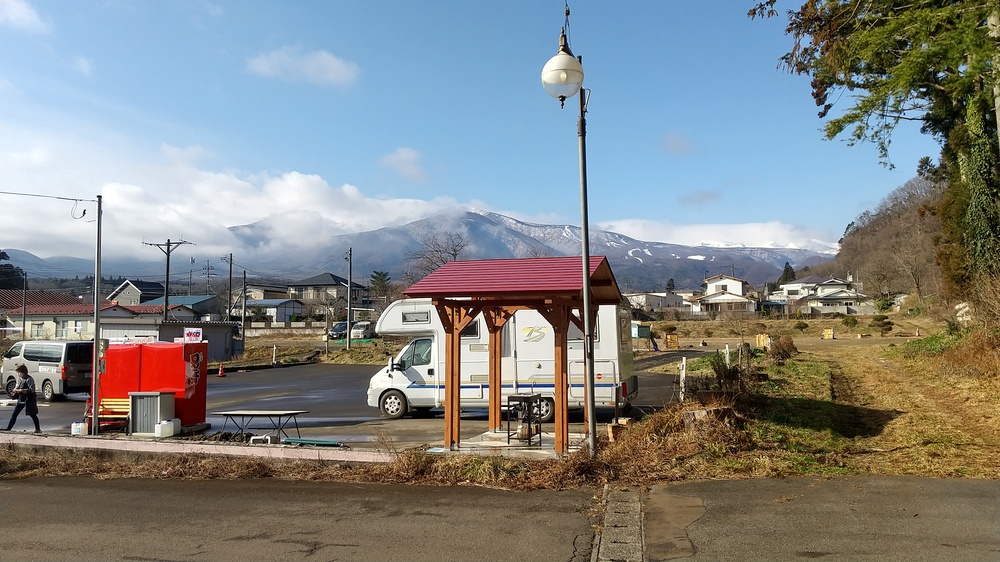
(434, 252)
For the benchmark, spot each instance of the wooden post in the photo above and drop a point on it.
(496, 386)
(561, 381)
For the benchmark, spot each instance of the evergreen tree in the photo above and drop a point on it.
(933, 61)
(787, 275)
(10, 277)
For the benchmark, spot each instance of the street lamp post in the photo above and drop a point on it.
(562, 77)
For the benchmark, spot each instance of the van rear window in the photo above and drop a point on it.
(80, 353)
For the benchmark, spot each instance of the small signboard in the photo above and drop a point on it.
(192, 335)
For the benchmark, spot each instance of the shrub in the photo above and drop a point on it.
(783, 349)
(668, 328)
(850, 322)
(800, 326)
(883, 304)
(881, 323)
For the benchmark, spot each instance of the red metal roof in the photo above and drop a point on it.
(13, 298)
(87, 309)
(519, 278)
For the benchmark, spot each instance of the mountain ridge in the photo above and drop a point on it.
(638, 265)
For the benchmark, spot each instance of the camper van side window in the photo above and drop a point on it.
(423, 317)
(471, 331)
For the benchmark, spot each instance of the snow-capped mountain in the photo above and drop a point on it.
(637, 265)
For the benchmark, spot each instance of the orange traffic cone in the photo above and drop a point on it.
(222, 371)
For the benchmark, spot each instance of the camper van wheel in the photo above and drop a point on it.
(48, 393)
(9, 386)
(548, 410)
(393, 404)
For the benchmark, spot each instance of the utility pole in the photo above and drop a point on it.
(166, 248)
(243, 318)
(209, 273)
(24, 304)
(350, 264)
(229, 288)
(191, 278)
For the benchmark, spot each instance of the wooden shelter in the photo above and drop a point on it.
(461, 290)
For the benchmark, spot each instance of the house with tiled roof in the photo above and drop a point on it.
(724, 293)
(11, 299)
(76, 321)
(204, 305)
(327, 290)
(822, 295)
(136, 292)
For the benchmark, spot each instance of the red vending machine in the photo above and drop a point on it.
(180, 368)
(121, 374)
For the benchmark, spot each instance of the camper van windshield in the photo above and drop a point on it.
(416, 354)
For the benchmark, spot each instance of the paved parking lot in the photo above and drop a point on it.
(335, 396)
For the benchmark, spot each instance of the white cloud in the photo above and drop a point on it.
(150, 195)
(318, 67)
(405, 162)
(18, 14)
(771, 234)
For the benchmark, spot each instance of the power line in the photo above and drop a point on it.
(166, 248)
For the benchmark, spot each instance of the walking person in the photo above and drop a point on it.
(24, 391)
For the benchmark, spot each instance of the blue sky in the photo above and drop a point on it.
(328, 117)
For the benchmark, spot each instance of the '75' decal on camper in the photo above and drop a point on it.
(534, 334)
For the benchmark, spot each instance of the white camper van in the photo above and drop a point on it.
(414, 379)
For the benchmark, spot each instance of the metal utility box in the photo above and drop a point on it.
(149, 408)
(640, 331)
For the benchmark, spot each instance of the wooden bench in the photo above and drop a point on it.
(112, 411)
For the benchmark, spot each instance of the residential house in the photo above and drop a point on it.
(259, 291)
(76, 321)
(206, 306)
(655, 302)
(821, 295)
(273, 310)
(328, 292)
(11, 299)
(136, 292)
(724, 293)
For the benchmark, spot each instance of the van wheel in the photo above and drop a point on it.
(48, 393)
(9, 387)
(393, 404)
(548, 410)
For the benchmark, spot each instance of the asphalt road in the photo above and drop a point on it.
(77, 518)
(335, 396)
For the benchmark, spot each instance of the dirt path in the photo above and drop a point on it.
(929, 422)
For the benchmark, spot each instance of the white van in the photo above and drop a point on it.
(362, 330)
(59, 367)
(414, 379)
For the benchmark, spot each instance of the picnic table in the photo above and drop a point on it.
(279, 419)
